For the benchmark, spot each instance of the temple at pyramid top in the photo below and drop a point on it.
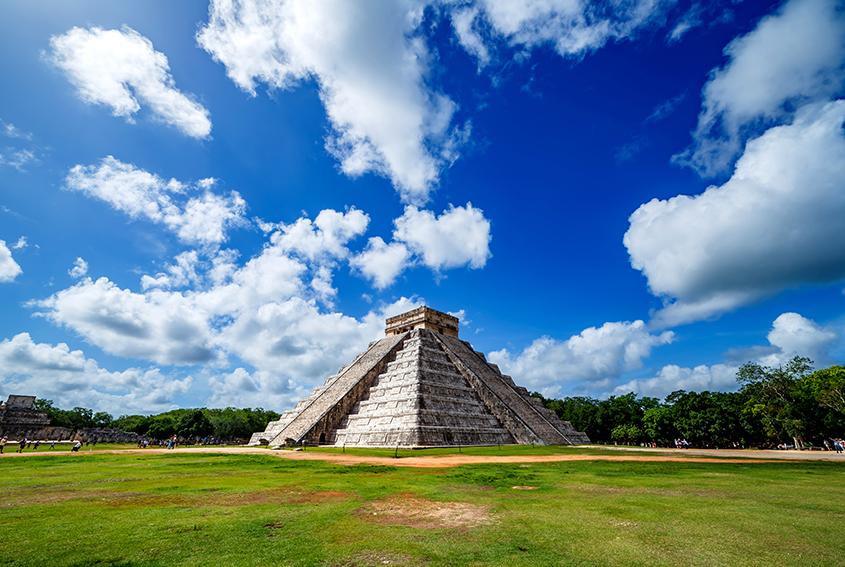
(419, 386)
(422, 318)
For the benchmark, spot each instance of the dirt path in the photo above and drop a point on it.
(745, 453)
(443, 461)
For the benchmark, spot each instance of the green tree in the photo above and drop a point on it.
(659, 425)
(102, 419)
(162, 428)
(132, 423)
(778, 396)
(582, 412)
(627, 433)
(40, 404)
(598, 418)
(194, 425)
(828, 387)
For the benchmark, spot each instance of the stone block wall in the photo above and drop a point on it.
(420, 400)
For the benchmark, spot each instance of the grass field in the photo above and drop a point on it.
(134, 509)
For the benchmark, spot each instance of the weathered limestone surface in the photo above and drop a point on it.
(523, 415)
(319, 413)
(422, 318)
(420, 400)
(19, 420)
(420, 386)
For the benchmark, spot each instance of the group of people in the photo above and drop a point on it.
(170, 443)
(25, 442)
(838, 445)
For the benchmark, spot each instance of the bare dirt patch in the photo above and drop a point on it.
(425, 514)
(377, 558)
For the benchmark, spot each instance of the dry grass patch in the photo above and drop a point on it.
(374, 559)
(403, 510)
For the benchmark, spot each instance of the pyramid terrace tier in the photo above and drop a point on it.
(421, 436)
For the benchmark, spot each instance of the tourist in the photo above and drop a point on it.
(21, 445)
(2, 444)
(52, 445)
(37, 443)
(76, 447)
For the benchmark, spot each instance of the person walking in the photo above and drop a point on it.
(21, 445)
(2, 444)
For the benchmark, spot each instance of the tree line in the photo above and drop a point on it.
(196, 423)
(785, 405)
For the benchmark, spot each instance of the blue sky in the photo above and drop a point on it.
(219, 204)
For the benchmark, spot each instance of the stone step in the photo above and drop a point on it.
(322, 403)
(503, 399)
(432, 403)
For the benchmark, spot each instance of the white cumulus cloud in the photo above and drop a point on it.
(163, 327)
(119, 68)
(794, 335)
(241, 388)
(792, 57)
(264, 312)
(776, 224)
(70, 379)
(9, 269)
(326, 237)
(80, 268)
(791, 335)
(202, 219)
(382, 263)
(572, 27)
(670, 378)
(596, 356)
(373, 68)
(460, 236)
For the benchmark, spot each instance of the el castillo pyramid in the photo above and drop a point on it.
(419, 386)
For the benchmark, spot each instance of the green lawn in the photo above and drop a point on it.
(253, 509)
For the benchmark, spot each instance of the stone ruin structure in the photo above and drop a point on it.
(419, 386)
(18, 420)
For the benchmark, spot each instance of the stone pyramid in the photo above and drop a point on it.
(420, 386)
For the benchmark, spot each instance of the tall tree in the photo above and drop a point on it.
(828, 386)
(776, 395)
